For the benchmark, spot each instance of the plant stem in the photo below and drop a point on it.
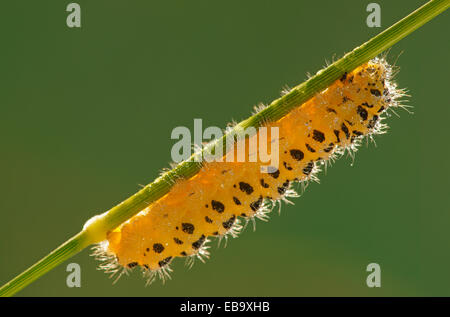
(56, 257)
(97, 228)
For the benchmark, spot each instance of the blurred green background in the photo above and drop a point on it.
(86, 116)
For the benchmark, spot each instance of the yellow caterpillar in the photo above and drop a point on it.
(215, 201)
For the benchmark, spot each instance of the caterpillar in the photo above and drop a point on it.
(223, 196)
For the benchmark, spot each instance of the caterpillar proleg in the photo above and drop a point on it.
(224, 196)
